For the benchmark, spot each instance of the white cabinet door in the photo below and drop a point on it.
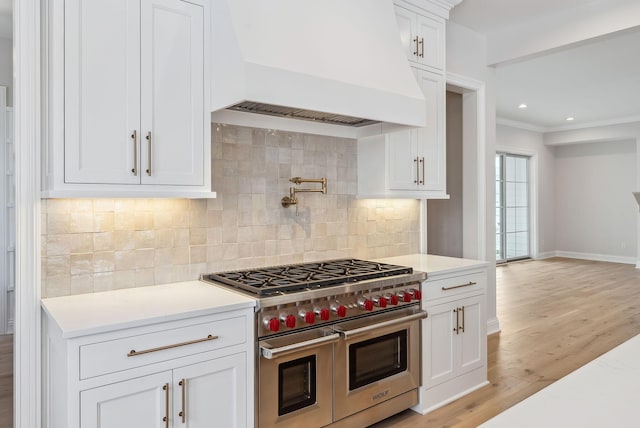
(439, 361)
(454, 339)
(172, 33)
(136, 403)
(102, 90)
(417, 157)
(212, 393)
(473, 340)
(422, 37)
(406, 27)
(402, 160)
(430, 42)
(431, 144)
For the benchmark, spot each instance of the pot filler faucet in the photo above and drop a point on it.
(287, 201)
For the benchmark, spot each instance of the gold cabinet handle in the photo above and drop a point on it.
(149, 153)
(462, 328)
(133, 352)
(422, 47)
(417, 180)
(165, 419)
(415, 40)
(422, 162)
(468, 284)
(457, 321)
(134, 137)
(182, 414)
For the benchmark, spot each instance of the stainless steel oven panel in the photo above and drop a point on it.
(402, 324)
(286, 352)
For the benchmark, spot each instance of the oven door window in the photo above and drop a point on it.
(296, 384)
(378, 358)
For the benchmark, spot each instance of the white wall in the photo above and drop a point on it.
(530, 143)
(6, 67)
(595, 211)
(466, 56)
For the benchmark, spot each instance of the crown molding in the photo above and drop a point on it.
(594, 124)
(520, 125)
(572, 127)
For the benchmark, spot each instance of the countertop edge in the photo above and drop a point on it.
(72, 315)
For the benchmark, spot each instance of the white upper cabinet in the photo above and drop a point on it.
(132, 102)
(411, 163)
(102, 91)
(414, 159)
(172, 91)
(422, 36)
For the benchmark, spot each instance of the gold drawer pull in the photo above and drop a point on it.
(459, 286)
(133, 352)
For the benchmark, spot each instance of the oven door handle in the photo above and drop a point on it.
(273, 353)
(366, 329)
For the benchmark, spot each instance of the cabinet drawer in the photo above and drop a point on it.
(445, 287)
(125, 353)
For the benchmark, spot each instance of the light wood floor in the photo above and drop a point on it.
(6, 381)
(556, 315)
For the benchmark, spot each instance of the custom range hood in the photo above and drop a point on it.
(338, 66)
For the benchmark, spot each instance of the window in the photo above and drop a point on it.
(512, 207)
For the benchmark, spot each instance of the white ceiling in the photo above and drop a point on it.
(597, 81)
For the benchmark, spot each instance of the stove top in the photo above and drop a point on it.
(278, 280)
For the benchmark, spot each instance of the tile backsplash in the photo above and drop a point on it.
(91, 245)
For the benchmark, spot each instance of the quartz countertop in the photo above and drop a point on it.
(602, 393)
(83, 314)
(433, 265)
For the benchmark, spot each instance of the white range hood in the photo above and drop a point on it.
(338, 64)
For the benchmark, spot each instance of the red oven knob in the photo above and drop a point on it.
(380, 302)
(323, 313)
(309, 317)
(340, 310)
(417, 294)
(393, 299)
(289, 321)
(405, 296)
(366, 304)
(273, 324)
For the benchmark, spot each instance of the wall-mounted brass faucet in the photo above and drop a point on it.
(287, 201)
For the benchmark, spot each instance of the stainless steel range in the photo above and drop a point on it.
(338, 341)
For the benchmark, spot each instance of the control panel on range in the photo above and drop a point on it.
(282, 318)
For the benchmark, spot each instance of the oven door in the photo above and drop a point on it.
(377, 359)
(295, 379)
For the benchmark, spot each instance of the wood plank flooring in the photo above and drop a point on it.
(6, 381)
(555, 315)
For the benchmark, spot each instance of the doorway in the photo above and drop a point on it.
(512, 207)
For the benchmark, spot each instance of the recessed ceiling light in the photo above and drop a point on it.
(523, 105)
(570, 118)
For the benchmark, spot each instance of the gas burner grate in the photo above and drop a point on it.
(284, 279)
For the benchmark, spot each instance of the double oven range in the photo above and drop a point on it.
(338, 342)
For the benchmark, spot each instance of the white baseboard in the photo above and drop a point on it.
(545, 255)
(597, 257)
(493, 326)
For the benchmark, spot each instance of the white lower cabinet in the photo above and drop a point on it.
(138, 402)
(198, 395)
(454, 337)
(452, 330)
(192, 373)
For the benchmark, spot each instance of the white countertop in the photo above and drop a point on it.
(84, 314)
(433, 265)
(602, 393)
